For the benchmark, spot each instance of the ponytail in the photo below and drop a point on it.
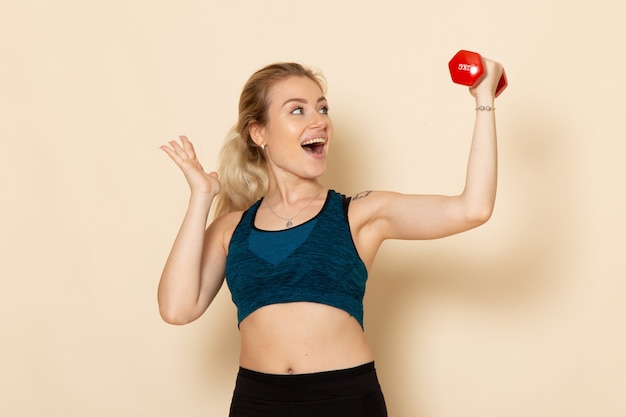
(242, 172)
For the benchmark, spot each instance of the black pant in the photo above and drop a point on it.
(353, 392)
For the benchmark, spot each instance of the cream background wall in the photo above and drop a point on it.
(522, 317)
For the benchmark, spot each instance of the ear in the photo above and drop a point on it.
(257, 132)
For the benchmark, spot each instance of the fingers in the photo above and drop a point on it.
(183, 154)
(180, 152)
(489, 85)
(171, 153)
(493, 68)
(188, 147)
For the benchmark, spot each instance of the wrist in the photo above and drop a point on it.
(484, 98)
(201, 198)
(485, 103)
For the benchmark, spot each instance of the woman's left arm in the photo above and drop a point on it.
(388, 215)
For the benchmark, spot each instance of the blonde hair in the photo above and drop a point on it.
(242, 167)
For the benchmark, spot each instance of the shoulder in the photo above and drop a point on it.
(230, 218)
(365, 198)
(375, 208)
(369, 203)
(223, 227)
(229, 221)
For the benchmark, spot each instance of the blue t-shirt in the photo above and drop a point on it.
(315, 262)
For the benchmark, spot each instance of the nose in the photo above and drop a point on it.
(319, 120)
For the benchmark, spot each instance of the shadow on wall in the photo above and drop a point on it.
(505, 268)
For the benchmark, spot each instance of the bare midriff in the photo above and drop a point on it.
(299, 338)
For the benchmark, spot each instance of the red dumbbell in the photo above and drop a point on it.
(466, 68)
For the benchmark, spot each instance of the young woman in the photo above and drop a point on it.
(295, 255)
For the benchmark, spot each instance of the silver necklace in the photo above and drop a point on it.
(289, 220)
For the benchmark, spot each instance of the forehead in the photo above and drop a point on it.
(294, 87)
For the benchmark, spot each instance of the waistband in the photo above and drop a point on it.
(308, 379)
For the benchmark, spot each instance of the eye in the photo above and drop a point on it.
(297, 110)
(323, 110)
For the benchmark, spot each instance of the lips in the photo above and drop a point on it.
(314, 145)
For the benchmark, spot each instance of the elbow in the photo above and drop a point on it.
(480, 215)
(478, 209)
(173, 309)
(171, 315)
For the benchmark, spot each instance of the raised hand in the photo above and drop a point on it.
(184, 155)
(493, 72)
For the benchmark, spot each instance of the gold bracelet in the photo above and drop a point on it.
(485, 108)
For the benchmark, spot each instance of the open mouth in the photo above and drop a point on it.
(315, 146)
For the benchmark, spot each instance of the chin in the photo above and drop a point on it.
(321, 171)
(315, 174)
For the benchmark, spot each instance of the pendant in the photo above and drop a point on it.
(288, 224)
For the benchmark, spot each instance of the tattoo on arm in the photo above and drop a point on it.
(361, 195)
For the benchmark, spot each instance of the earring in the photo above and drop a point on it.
(262, 146)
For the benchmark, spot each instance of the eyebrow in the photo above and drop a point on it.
(301, 100)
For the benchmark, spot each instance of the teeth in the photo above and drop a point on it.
(312, 141)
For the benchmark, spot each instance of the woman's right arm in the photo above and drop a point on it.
(194, 270)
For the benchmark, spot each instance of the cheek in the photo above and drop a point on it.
(330, 127)
(283, 130)
(330, 131)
